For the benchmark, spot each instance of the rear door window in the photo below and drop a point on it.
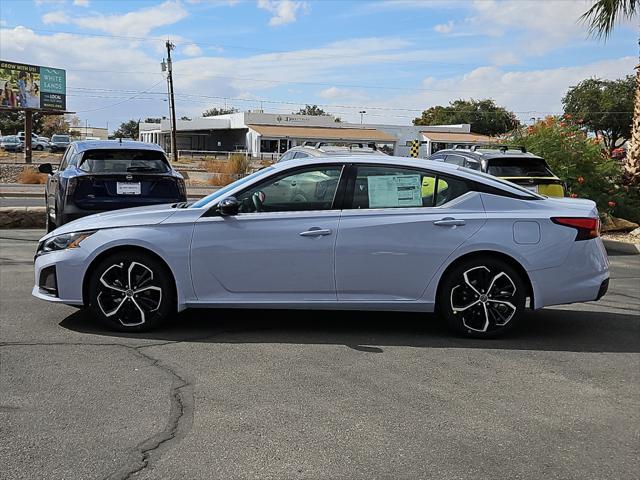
(396, 187)
(124, 161)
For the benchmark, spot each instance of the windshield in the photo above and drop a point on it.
(59, 138)
(523, 191)
(224, 190)
(518, 167)
(124, 161)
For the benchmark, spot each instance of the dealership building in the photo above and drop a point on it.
(271, 134)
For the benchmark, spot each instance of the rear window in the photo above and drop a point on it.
(60, 138)
(518, 167)
(124, 161)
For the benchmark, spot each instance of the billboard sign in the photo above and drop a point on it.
(30, 86)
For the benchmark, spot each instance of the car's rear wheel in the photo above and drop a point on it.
(39, 148)
(131, 292)
(482, 298)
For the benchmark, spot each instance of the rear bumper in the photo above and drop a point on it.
(72, 212)
(583, 277)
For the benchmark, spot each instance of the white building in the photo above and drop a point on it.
(260, 133)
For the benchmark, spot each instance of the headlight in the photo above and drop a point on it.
(62, 242)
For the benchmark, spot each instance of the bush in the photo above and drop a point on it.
(32, 177)
(227, 171)
(579, 160)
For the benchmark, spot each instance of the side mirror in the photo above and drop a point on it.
(228, 206)
(46, 168)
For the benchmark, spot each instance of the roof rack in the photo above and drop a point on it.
(502, 148)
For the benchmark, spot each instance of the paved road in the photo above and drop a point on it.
(254, 394)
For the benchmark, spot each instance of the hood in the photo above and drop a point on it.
(127, 217)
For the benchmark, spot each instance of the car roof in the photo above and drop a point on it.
(333, 150)
(489, 153)
(83, 145)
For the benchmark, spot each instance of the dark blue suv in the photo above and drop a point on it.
(98, 176)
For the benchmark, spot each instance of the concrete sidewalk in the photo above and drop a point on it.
(23, 190)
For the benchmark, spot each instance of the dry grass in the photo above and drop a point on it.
(31, 176)
(228, 171)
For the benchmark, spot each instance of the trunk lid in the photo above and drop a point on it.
(114, 191)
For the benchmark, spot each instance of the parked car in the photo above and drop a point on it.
(479, 251)
(105, 175)
(11, 143)
(321, 149)
(515, 165)
(59, 143)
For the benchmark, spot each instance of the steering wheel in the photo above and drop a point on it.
(258, 199)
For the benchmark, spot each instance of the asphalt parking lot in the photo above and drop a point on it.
(316, 395)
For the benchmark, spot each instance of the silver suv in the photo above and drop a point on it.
(321, 149)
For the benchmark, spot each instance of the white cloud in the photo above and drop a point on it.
(139, 22)
(444, 27)
(81, 3)
(57, 16)
(335, 93)
(192, 50)
(283, 11)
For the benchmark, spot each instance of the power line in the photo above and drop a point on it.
(263, 51)
(125, 100)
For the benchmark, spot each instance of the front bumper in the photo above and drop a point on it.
(69, 268)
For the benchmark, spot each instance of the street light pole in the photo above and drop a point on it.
(172, 105)
(361, 112)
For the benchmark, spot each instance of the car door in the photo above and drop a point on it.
(279, 247)
(402, 224)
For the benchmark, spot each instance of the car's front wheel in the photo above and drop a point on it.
(39, 148)
(131, 292)
(482, 298)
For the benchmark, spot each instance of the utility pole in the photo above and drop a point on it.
(28, 129)
(172, 104)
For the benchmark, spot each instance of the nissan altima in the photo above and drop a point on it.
(347, 233)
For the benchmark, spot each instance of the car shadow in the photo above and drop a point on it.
(545, 330)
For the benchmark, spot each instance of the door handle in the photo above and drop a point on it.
(316, 232)
(449, 222)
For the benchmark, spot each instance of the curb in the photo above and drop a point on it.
(22, 217)
(621, 248)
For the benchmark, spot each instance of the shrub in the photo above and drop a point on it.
(579, 160)
(31, 176)
(227, 171)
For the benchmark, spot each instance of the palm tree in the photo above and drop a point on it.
(602, 16)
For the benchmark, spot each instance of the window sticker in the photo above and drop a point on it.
(394, 191)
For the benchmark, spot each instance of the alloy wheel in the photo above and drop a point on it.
(128, 292)
(484, 299)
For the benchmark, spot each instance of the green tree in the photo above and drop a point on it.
(485, 116)
(311, 110)
(603, 15)
(13, 122)
(128, 129)
(152, 120)
(214, 112)
(184, 117)
(604, 107)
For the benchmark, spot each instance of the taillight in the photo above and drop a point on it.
(182, 189)
(71, 186)
(587, 227)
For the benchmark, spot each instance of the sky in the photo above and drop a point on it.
(390, 58)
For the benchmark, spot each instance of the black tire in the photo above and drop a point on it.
(117, 305)
(482, 298)
(39, 148)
